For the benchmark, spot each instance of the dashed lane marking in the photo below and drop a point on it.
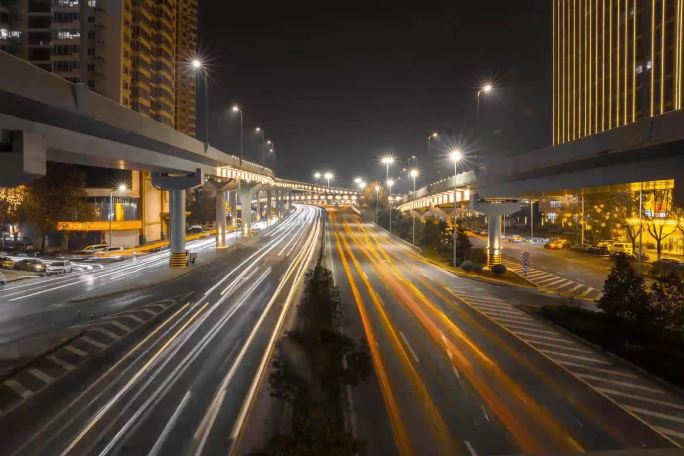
(18, 388)
(93, 342)
(40, 375)
(625, 384)
(75, 350)
(582, 358)
(60, 362)
(106, 332)
(120, 325)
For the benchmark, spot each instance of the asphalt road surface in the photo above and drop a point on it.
(186, 387)
(450, 378)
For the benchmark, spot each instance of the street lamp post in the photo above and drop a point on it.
(485, 89)
(260, 132)
(456, 156)
(390, 183)
(197, 65)
(434, 135)
(120, 188)
(377, 196)
(237, 109)
(414, 174)
(387, 161)
(327, 177)
(273, 151)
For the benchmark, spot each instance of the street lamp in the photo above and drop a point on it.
(272, 150)
(484, 89)
(121, 188)
(456, 156)
(327, 177)
(199, 67)
(358, 180)
(387, 161)
(434, 135)
(237, 109)
(361, 185)
(390, 183)
(260, 132)
(413, 173)
(377, 196)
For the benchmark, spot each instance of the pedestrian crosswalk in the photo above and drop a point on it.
(554, 282)
(97, 336)
(657, 406)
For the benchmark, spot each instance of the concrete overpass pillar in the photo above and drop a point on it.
(494, 211)
(258, 205)
(269, 205)
(494, 240)
(246, 193)
(178, 256)
(177, 184)
(220, 189)
(234, 202)
(289, 200)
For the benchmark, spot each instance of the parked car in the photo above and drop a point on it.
(581, 247)
(6, 262)
(556, 244)
(58, 267)
(92, 249)
(597, 250)
(108, 251)
(195, 229)
(30, 265)
(606, 243)
(620, 247)
(2, 279)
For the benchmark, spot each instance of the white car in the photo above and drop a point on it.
(58, 267)
(92, 249)
(620, 247)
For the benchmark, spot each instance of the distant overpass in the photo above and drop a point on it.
(651, 149)
(46, 118)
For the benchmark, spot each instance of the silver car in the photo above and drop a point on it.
(58, 267)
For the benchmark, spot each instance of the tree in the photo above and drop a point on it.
(463, 244)
(11, 199)
(624, 293)
(56, 197)
(662, 211)
(626, 208)
(667, 303)
(202, 208)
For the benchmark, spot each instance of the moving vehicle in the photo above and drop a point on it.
(195, 229)
(6, 262)
(108, 251)
(30, 265)
(620, 247)
(58, 267)
(91, 249)
(556, 244)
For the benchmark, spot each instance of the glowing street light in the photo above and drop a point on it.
(390, 183)
(198, 67)
(260, 132)
(432, 136)
(484, 89)
(377, 195)
(237, 109)
(387, 161)
(413, 173)
(456, 156)
(358, 180)
(327, 177)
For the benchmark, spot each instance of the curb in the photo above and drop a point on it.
(664, 383)
(489, 280)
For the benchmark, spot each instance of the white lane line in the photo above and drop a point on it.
(523, 327)
(148, 311)
(596, 369)
(575, 288)
(106, 332)
(60, 362)
(75, 350)
(458, 376)
(581, 358)
(536, 336)
(504, 319)
(636, 397)
(18, 388)
(413, 353)
(625, 384)
(169, 425)
(557, 282)
(134, 318)
(670, 432)
(484, 412)
(565, 347)
(470, 448)
(93, 342)
(120, 325)
(499, 311)
(589, 290)
(40, 375)
(664, 416)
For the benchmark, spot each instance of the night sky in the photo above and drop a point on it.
(337, 85)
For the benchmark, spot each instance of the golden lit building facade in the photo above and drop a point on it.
(614, 61)
(186, 83)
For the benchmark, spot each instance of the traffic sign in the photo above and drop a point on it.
(526, 262)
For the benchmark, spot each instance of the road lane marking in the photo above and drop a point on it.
(670, 432)
(93, 342)
(75, 350)
(625, 384)
(120, 325)
(148, 311)
(597, 369)
(18, 388)
(169, 425)
(40, 375)
(470, 448)
(458, 376)
(636, 397)
(536, 336)
(484, 412)
(134, 318)
(60, 362)
(583, 358)
(106, 332)
(523, 327)
(413, 353)
(664, 416)
(565, 347)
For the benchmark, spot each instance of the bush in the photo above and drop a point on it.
(478, 256)
(624, 293)
(467, 265)
(498, 269)
(477, 268)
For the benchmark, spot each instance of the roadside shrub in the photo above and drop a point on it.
(478, 256)
(467, 265)
(624, 293)
(477, 268)
(498, 269)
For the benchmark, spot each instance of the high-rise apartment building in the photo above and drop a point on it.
(131, 51)
(614, 61)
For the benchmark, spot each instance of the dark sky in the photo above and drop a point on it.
(337, 84)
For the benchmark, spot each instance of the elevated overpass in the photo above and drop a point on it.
(649, 150)
(46, 118)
